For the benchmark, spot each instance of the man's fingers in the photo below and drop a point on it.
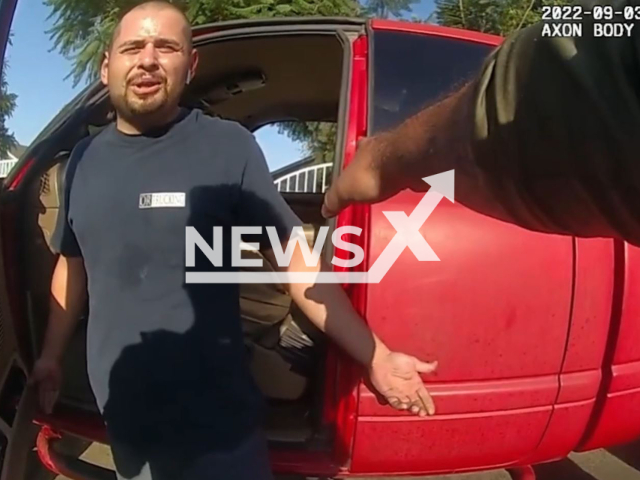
(48, 402)
(35, 378)
(394, 402)
(52, 397)
(400, 403)
(48, 392)
(43, 396)
(426, 367)
(422, 404)
(405, 403)
(427, 401)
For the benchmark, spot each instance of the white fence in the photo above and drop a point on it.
(6, 166)
(313, 179)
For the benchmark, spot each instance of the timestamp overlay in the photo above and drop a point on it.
(599, 21)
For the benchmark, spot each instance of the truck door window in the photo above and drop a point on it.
(412, 70)
(300, 154)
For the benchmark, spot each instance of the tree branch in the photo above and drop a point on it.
(525, 15)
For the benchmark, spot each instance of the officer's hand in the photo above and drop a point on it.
(368, 178)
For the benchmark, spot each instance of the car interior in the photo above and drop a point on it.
(255, 80)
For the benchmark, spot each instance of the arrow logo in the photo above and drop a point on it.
(407, 235)
(408, 228)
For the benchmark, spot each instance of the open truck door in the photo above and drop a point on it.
(478, 311)
(17, 403)
(7, 7)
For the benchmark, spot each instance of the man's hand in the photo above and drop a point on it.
(396, 377)
(47, 378)
(367, 178)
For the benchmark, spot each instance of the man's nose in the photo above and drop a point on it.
(149, 56)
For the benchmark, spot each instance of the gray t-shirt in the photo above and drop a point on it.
(166, 359)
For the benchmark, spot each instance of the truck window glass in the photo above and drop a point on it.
(412, 70)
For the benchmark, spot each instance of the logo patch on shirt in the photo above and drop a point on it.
(162, 200)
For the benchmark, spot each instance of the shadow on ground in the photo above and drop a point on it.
(617, 463)
(629, 454)
(562, 470)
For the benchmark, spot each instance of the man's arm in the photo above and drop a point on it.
(68, 297)
(545, 136)
(394, 375)
(68, 294)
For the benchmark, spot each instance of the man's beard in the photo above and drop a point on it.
(131, 106)
(136, 105)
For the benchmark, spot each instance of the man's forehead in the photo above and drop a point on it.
(149, 27)
(147, 23)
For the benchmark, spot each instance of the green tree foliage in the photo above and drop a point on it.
(7, 106)
(319, 138)
(82, 29)
(500, 17)
(387, 8)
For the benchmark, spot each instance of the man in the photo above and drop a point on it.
(545, 136)
(166, 359)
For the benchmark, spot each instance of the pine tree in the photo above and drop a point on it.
(387, 8)
(500, 17)
(7, 106)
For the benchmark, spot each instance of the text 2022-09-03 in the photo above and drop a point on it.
(600, 21)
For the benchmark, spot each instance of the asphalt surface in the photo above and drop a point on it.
(619, 463)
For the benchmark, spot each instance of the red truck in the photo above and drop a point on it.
(537, 336)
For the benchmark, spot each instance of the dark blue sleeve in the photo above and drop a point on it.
(63, 240)
(260, 203)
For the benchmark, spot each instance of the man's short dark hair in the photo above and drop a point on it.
(160, 4)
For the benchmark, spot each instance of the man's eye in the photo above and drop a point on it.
(130, 50)
(167, 48)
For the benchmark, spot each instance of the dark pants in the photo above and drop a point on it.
(249, 461)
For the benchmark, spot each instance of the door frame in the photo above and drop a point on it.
(349, 375)
(7, 10)
(18, 428)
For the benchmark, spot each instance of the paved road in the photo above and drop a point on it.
(620, 463)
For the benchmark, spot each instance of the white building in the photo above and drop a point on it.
(305, 176)
(302, 176)
(6, 164)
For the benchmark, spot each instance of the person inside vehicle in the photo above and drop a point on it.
(545, 136)
(165, 358)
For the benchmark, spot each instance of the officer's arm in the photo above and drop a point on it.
(545, 136)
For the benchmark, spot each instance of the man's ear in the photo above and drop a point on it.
(193, 64)
(104, 69)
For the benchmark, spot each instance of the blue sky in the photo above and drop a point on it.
(37, 75)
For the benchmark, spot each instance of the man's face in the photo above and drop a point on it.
(147, 65)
